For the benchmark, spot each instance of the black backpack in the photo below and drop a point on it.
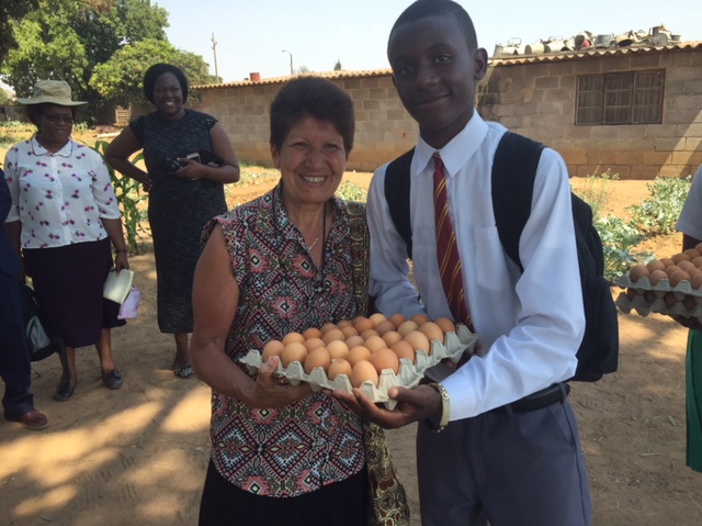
(41, 343)
(513, 172)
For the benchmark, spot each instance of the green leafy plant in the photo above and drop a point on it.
(595, 191)
(350, 191)
(658, 214)
(618, 240)
(128, 192)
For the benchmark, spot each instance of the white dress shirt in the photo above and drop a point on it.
(529, 325)
(60, 198)
(690, 220)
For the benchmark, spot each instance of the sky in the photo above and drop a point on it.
(251, 35)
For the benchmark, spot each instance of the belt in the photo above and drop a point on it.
(555, 393)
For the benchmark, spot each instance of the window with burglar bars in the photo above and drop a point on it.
(632, 97)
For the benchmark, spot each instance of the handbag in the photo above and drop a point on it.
(388, 500)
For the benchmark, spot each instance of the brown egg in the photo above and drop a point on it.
(432, 331)
(693, 272)
(699, 247)
(272, 348)
(339, 366)
(338, 349)
(631, 294)
(670, 269)
(670, 299)
(349, 330)
(385, 326)
(363, 371)
(655, 264)
(397, 319)
(312, 332)
(358, 353)
(637, 272)
(313, 343)
(682, 256)
(362, 324)
(344, 323)
(687, 266)
(333, 334)
(368, 333)
(327, 327)
(657, 276)
(385, 359)
(667, 262)
(293, 352)
(354, 341)
(418, 341)
(693, 253)
(678, 276)
(293, 337)
(697, 262)
(391, 337)
(690, 302)
(650, 296)
(318, 357)
(407, 327)
(446, 324)
(696, 281)
(374, 343)
(403, 350)
(377, 317)
(420, 318)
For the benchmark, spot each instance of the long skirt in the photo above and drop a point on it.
(68, 281)
(693, 397)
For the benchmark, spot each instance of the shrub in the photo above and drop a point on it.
(618, 238)
(350, 191)
(658, 214)
(595, 191)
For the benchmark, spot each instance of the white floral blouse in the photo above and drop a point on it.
(59, 198)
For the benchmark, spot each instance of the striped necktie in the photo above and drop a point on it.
(450, 267)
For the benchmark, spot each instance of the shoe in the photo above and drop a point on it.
(113, 379)
(33, 420)
(186, 371)
(64, 391)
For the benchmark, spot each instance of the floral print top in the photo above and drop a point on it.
(60, 198)
(299, 448)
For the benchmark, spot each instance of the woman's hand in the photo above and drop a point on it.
(270, 391)
(121, 259)
(191, 169)
(146, 183)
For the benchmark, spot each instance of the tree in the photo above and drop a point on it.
(67, 39)
(120, 78)
(11, 12)
(337, 66)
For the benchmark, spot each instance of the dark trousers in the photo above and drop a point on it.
(15, 365)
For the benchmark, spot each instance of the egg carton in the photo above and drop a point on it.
(409, 374)
(682, 289)
(658, 306)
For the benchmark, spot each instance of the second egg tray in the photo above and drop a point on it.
(409, 374)
(680, 290)
(643, 307)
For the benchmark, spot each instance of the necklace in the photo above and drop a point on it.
(313, 243)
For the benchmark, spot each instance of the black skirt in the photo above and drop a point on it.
(68, 281)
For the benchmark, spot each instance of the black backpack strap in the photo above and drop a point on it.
(513, 173)
(397, 194)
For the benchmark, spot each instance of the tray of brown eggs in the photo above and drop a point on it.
(671, 286)
(372, 353)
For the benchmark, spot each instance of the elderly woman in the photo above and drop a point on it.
(282, 263)
(183, 193)
(64, 215)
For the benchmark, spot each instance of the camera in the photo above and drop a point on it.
(173, 165)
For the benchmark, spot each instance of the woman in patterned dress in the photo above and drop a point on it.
(281, 454)
(64, 216)
(181, 200)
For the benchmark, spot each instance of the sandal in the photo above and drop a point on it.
(113, 380)
(64, 391)
(185, 371)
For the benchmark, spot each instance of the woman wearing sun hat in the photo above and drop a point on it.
(63, 218)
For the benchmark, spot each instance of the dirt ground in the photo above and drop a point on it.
(138, 455)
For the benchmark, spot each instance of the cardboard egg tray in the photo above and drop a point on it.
(409, 375)
(643, 306)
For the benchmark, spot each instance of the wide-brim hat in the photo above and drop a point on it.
(52, 92)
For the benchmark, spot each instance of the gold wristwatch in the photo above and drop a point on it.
(445, 409)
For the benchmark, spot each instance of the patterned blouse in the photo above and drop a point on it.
(314, 442)
(60, 198)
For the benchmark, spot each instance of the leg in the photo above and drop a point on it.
(69, 375)
(111, 377)
(181, 363)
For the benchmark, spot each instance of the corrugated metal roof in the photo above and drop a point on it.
(492, 61)
(591, 52)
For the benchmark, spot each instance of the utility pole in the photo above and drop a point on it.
(291, 62)
(214, 50)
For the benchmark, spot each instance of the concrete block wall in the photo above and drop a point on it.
(384, 129)
(539, 100)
